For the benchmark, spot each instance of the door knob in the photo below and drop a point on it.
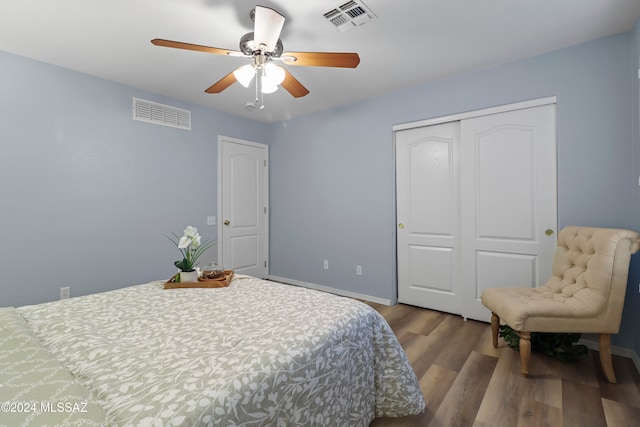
(401, 226)
(227, 222)
(548, 232)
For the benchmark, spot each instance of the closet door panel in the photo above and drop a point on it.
(508, 202)
(431, 268)
(431, 186)
(505, 178)
(427, 213)
(503, 270)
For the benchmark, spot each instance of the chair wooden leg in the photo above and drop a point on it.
(525, 352)
(604, 343)
(495, 327)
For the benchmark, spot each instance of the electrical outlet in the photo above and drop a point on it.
(65, 292)
(358, 270)
(325, 264)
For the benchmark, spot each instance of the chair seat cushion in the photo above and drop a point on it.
(544, 309)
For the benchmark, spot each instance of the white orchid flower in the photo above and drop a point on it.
(184, 242)
(190, 231)
(195, 241)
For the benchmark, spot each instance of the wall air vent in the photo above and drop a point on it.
(350, 15)
(160, 114)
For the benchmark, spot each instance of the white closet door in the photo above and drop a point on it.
(508, 202)
(427, 213)
(476, 207)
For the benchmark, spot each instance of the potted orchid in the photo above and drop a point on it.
(190, 247)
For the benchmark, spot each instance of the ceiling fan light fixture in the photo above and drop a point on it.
(274, 74)
(266, 87)
(244, 74)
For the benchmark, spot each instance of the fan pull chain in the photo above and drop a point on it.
(256, 79)
(259, 82)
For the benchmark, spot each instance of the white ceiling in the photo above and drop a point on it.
(410, 42)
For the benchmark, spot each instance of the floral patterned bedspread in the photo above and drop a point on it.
(256, 353)
(35, 390)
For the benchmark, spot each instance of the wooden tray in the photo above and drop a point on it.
(220, 282)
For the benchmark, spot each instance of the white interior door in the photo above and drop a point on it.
(476, 207)
(427, 191)
(508, 202)
(243, 206)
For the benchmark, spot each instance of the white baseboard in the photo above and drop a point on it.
(330, 290)
(618, 351)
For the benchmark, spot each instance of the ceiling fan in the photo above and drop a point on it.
(263, 46)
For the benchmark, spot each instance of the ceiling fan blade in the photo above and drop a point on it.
(196, 47)
(293, 86)
(222, 84)
(267, 27)
(322, 59)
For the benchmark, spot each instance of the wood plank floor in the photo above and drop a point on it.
(466, 382)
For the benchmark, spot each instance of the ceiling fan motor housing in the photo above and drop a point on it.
(248, 46)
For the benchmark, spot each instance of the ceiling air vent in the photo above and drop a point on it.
(350, 15)
(160, 114)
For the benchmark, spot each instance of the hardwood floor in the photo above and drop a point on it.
(466, 382)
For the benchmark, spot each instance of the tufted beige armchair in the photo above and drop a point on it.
(585, 293)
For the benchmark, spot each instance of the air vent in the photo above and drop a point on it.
(160, 114)
(350, 15)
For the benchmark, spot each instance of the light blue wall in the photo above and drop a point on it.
(86, 192)
(332, 173)
(632, 302)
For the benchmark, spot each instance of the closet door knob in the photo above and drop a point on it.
(227, 222)
(548, 232)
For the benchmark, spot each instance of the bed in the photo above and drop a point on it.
(255, 353)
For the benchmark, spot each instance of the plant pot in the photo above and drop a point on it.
(188, 276)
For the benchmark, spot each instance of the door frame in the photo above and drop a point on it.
(220, 226)
(476, 113)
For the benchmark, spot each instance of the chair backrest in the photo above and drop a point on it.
(590, 271)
